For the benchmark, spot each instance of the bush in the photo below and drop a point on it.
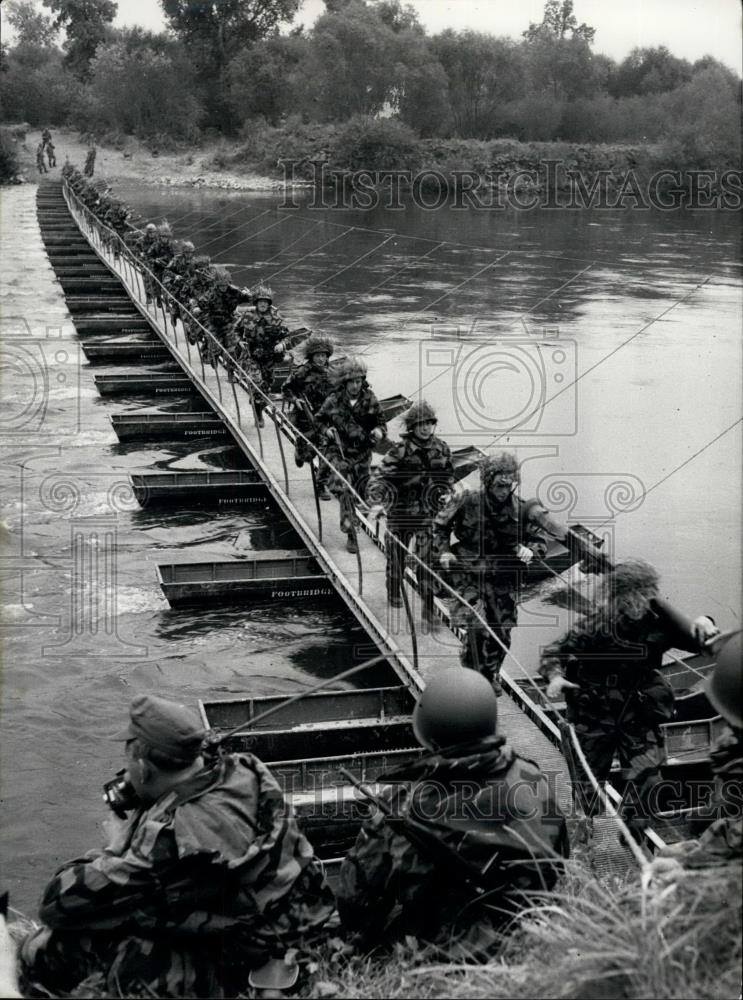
(376, 144)
(8, 158)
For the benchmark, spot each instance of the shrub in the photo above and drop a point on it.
(375, 144)
(8, 158)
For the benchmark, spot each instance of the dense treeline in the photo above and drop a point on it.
(224, 68)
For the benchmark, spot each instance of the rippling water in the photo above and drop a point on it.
(605, 346)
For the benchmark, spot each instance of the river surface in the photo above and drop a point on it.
(604, 346)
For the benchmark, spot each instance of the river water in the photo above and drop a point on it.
(604, 346)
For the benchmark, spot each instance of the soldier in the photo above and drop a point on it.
(498, 534)
(607, 665)
(46, 136)
(176, 275)
(217, 309)
(115, 217)
(459, 834)
(40, 159)
(206, 877)
(159, 253)
(258, 342)
(50, 152)
(351, 422)
(193, 288)
(415, 476)
(307, 387)
(89, 167)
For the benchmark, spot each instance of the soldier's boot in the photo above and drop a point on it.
(259, 408)
(322, 482)
(298, 460)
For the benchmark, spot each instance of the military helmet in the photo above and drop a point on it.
(348, 369)
(164, 228)
(262, 291)
(457, 706)
(188, 247)
(220, 272)
(317, 344)
(725, 688)
(150, 228)
(503, 463)
(631, 577)
(418, 413)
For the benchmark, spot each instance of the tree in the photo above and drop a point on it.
(139, 90)
(483, 73)
(215, 31)
(30, 25)
(557, 21)
(649, 71)
(262, 79)
(86, 23)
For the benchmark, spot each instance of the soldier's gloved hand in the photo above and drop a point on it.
(377, 433)
(557, 685)
(703, 629)
(524, 554)
(447, 559)
(280, 347)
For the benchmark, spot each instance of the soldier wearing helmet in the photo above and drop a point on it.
(176, 276)
(498, 534)
(258, 337)
(351, 422)
(307, 388)
(156, 257)
(485, 824)
(411, 485)
(217, 313)
(607, 667)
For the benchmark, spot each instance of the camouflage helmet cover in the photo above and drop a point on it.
(262, 291)
(503, 463)
(317, 344)
(349, 369)
(419, 413)
(187, 247)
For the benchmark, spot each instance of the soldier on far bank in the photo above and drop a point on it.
(258, 343)
(351, 422)
(89, 167)
(415, 478)
(50, 153)
(41, 166)
(307, 387)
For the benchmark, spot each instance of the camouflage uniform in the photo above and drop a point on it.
(478, 799)
(176, 277)
(114, 217)
(313, 384)
(414, 478)
(40, 159)
(50, 152)
(488, 570)
(253, 341)
(621, 701)
(89, 167)
(353, 425)
(210, 881)
(217, 309)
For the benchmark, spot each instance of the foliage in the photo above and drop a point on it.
(557, 21)
(38, 87)
(30, 25)
(365, 143)
(649, 71)
(8, 157)
(262, 79)
(86, 23)
(141, 91)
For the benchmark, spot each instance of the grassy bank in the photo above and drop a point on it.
(676, 936)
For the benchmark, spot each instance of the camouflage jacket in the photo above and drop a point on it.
(218, 306)
(354, 424)
(157, 255)
(310, 382)
(259, 335)
(219, 855)
(139, 242)
(115, 217)
(488, 536)
(480, 801)
(595, 647)
(178, 273)
(414, 478)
